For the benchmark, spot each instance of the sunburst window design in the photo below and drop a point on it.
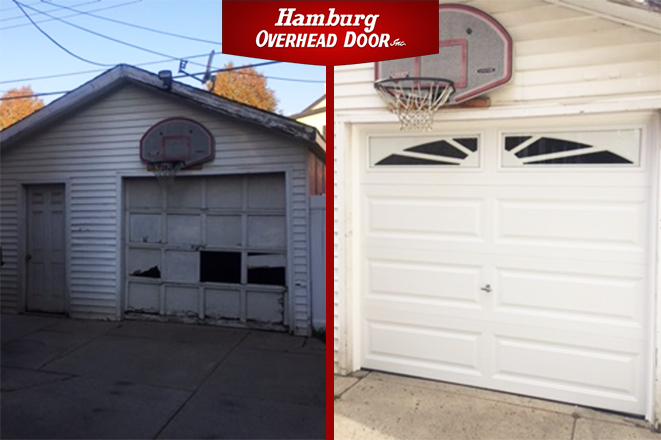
(598, 148)
(450, 152)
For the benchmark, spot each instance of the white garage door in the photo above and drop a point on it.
(514, 259)
(212, 248)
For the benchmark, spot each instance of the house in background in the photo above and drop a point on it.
(516, 246)
(87, 230)
(314, 115)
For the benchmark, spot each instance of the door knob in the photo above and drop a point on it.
(486, 288)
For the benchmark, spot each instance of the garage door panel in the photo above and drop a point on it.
(613, 226)
(444, 349)
(587, 298)
(452, 219)
(446, 345)
(425, 284)
(184, 229)
(187, 193)
(581, 368)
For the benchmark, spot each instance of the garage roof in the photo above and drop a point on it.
(125, 74)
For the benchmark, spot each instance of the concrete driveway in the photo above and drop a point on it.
(376, 406)
(65, 378)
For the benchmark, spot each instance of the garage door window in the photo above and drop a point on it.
(452, 152)
(594, 148)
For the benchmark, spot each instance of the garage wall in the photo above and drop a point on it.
(336, 263)
(87, 149)
(557, 57)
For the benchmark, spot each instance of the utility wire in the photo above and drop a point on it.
(7, 9)
(276, 78)
(55, 42)
(68, 16)
(178, 76)
(16, 17)
(106, 37)
(36, 78)
(134, 25)
(229, 69)
(11, 98)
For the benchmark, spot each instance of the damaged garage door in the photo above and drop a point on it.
(211, 248)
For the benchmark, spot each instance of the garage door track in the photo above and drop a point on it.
(65, 378)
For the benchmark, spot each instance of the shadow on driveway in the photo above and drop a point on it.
(65, 378)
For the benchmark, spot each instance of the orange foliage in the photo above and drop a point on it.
(246, 86)
(13, 110)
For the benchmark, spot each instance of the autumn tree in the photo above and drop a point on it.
(13, 108)
(244, 85)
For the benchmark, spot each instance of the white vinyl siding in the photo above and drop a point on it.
(336, 262)
(92, 147)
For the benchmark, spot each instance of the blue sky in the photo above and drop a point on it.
(26, 53)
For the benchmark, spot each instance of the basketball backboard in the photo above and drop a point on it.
(177, 140)
(475, 53)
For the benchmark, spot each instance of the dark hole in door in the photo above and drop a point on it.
(152, 272)
(220, 267)
(266, 269)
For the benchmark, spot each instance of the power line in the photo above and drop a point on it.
(178, 76)
(68, 16)
(230, 69)
(259, 74)
(94, 71)
(134, 25)
(56, 43)
(7, 9)
(61, 75)
(34, 95)
(16, 17)
(102, 36)
(279, 78)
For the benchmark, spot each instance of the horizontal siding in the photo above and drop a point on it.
(88, 149)
(8, 233)
(559, 55)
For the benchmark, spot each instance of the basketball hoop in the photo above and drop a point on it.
(166, 172)
(414, 100)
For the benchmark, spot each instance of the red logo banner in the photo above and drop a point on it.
(330, 32)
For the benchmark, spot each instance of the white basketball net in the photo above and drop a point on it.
(415, 100)
(166, 172)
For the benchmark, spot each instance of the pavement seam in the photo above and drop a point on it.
(67, 352)
(62, 379)
(262, 399)
(114, 335)
(359, 380)
(573, 428)
(30, 334)
(194, 392)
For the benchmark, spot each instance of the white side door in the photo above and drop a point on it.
(46, 249)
